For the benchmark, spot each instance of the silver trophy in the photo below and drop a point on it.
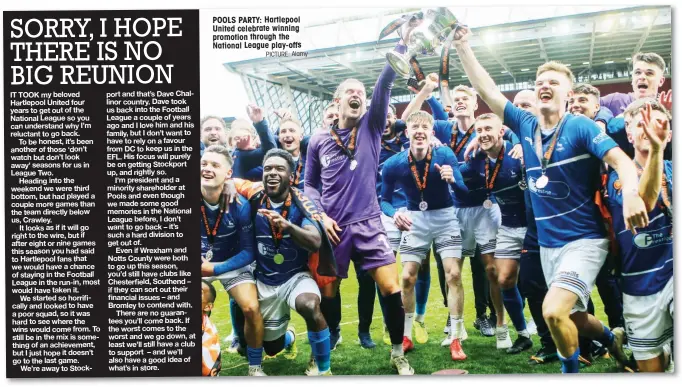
(436, 24)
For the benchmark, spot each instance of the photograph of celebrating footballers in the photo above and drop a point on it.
(337, 181)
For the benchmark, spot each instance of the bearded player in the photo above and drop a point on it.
(344, 162)
(285, 237)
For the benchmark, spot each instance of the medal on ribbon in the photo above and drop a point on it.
(277, 234)
(490, 180)
(421, 185)
(543, 180)
(522, 183)
(297, 175)
(350, 149)
(210, 234)
(465, 138)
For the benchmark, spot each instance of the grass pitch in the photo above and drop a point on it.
(351, 359)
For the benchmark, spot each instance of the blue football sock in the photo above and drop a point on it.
(321, 348)
(607, 338)
(233, 312)
(255, 356)
(570, 365)
(514, 305)
(421, 290)
(288, 338)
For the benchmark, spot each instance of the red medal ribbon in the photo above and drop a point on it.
(490, 181)
(544, 158)
(297, 176)
(350, 150)
(413, 167)
(210, 234)
(453, 139)
(277, 234)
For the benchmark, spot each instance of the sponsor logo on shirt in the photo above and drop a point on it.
(265, 250)
(651, 239)
(560, 147)
(328, 160)
(553, 189)
(530, 140)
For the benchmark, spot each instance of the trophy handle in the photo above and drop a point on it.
(399, 63)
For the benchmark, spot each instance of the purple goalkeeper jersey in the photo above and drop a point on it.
(350, 196)
(617, 102)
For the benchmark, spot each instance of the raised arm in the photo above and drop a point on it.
(479, 78)
(437, 109)
(430, 84)
(382, 94)
(267, 139)
(634, 210)
(658, 132)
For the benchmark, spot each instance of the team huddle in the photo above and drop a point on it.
(548, 195)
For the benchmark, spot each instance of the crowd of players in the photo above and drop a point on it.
(548, 195)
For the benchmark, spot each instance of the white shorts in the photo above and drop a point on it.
(574, 267)
(479, 226)
(436, 226)
(649, 322)
(233, 278)
(392, 231)
(276, 302)
(509, 242)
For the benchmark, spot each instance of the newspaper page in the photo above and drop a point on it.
(296, 191)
